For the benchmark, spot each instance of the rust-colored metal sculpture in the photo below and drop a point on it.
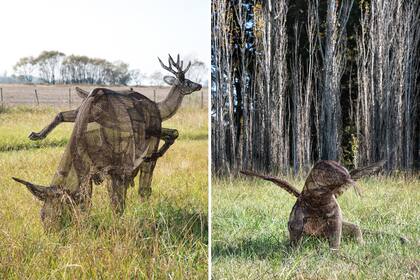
(116, 135)
(316, 211)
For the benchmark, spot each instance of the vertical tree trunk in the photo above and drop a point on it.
(386, 71)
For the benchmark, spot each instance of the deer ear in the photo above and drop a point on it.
(81, 93)
(170, 80)
(40, 192)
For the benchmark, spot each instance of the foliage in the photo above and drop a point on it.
(48, 64)
(24, 68)
(54, 66)
(156, 78)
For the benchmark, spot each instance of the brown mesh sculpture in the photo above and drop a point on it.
(316, 211)
(116, 135)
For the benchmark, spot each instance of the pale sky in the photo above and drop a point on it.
(134, 31)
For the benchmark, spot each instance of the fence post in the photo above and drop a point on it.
(70, 98)
(1, 95)
(36, 97)
(202, 99)
(154, 95)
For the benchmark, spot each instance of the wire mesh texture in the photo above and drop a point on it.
(113, 132)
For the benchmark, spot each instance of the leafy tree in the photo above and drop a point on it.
(156, 78)
(49, 63)
(24, 69)
(120, 73)
(136, 77)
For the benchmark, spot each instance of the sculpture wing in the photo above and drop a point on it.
(358, 173)
(279, 182)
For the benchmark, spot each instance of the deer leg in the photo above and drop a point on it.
(168, 135)
(67, 116)
(353, 230)
(145, 178)
(296, 225)
(146, 170)
(86, 193)
(117, 191)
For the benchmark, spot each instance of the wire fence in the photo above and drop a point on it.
(65, 96)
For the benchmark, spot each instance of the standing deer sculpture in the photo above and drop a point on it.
(116, 135)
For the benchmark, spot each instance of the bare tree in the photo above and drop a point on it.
(387, 105)
(333, 64)
(249, 85)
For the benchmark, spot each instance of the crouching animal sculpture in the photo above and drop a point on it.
(116, 135)
(316, 211)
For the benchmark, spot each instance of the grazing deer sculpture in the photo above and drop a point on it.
(316, 211)
(116, 136)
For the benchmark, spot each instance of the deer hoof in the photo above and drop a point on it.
(145, 193)
(35, 136)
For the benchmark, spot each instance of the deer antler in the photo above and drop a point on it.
(178, 72)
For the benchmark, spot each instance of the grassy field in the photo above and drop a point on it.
(162, 238)
(250, 237)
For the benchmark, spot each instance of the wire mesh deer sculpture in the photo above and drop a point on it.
(316, 211)
(116, 135)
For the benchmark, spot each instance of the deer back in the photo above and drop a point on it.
(110, 137)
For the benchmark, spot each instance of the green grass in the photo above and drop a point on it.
(162, 238)
(16, 123)
(250, 237)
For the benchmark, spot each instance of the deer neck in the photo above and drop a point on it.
(171, 103)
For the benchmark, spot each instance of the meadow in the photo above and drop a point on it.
(164, 237)
(250, 236)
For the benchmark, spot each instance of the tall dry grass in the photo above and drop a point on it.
(162, 238)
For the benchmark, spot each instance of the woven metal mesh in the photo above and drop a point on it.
(113, 132)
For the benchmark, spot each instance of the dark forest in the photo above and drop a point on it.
(294, 82)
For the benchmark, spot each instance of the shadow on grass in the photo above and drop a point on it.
(263, 248)
(30, 145)
(268, 247)
(180, 222)
(194, 136)
(163, 221)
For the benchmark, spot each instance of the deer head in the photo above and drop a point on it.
(184, 85)
(58, 204)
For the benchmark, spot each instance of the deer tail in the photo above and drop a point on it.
(279, 182)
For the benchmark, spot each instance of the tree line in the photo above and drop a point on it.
(295, 82)
(55, 67)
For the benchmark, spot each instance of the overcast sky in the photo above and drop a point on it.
(134, 31)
